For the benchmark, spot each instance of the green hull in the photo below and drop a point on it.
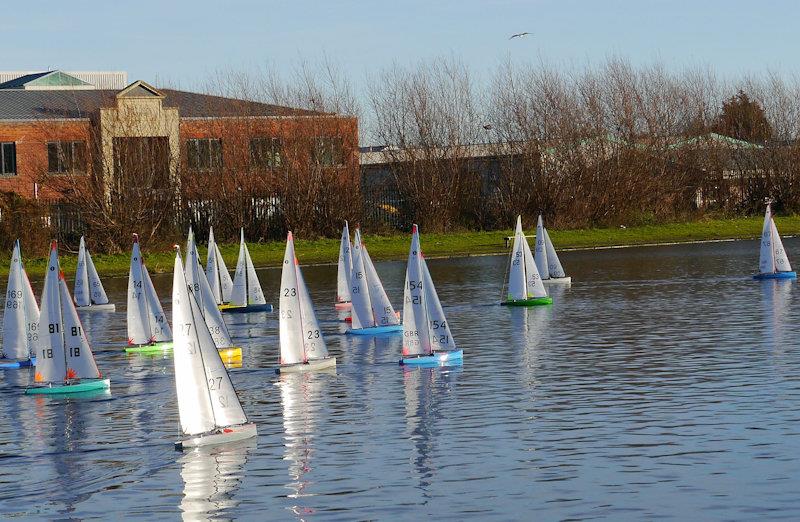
(78, 387)
(150, 349)
(536, 301)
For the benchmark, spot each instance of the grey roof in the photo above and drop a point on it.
(19, 83)
(26, 105)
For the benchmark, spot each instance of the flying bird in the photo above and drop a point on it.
(519, 35)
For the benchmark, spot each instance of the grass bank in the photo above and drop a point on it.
(439, 245)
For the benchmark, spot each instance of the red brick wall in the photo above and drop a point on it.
(31, 142)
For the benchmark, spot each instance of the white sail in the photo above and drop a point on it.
(82, 287)
(438, 327)
(345, 267)
(255, 294)
(533, 280)
(382, 309)
(361, 310)
(779, 253)
(313, 343)
(16, 344)
(766, 261)
(78, 353)
(159, 327)
(224, 276)
(246, 287)
(290, 323)
(31, 310)
(517, 285)
(139, 327)
(553, 263)
(51, 364)
(206, 397)
(416, 340)
(196, 279)
(540, 254)
(97, 292)
(217, 271)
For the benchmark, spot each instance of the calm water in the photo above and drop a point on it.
(662, 384)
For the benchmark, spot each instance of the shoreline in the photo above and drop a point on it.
(320, 252)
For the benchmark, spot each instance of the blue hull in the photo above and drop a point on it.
(8, 365)
(246, 309)
(376, 330)
(777, 275)
(437, 359)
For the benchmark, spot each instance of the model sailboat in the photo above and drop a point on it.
(302, 345)
(372, 311)
(426, 333)
(525, 286)
(344, 269)
(65, 363)
(20, 317)
(89, 292)
(247, 295)
(209, 408)
(196, 279)
(773, 262)
(148, 330)
(547, 261)
(217, 272)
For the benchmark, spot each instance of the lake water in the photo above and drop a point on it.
(663, 383)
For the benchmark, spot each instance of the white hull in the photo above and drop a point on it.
(109, 307)
(310, 366)
(563, 280)
(220, 436)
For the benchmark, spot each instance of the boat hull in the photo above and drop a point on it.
(563, 280)
(310, 366)
(346, 305)
(108, 307)
(229, 355)
(435, 359)
(219, 436)
(150, 349)
(535, 301)
(237, 309)
(776, 275)
(11, 364)
(376, 330)
(82, 386)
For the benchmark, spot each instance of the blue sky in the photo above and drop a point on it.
(183, 43)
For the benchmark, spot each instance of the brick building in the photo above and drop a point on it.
(58, 132)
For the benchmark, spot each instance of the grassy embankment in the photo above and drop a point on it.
(439, 245)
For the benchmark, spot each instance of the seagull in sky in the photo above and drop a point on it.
(519, 35)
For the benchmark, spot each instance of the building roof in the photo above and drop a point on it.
(49, 80)
(27, 105)
(96, 79)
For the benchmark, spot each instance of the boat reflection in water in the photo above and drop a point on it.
(302, 395)
(211, 476)
(427, 395)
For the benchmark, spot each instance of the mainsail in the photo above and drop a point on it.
(524, 281)
(146, 320)
(345, 267)
(773, 256)
(219, 279)
(206, 397)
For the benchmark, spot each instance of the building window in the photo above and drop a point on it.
(204, 154)
(266, 153)
(8, 159)
(66, 157)
(328, 151)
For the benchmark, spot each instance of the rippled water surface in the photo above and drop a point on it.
(663, 383)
